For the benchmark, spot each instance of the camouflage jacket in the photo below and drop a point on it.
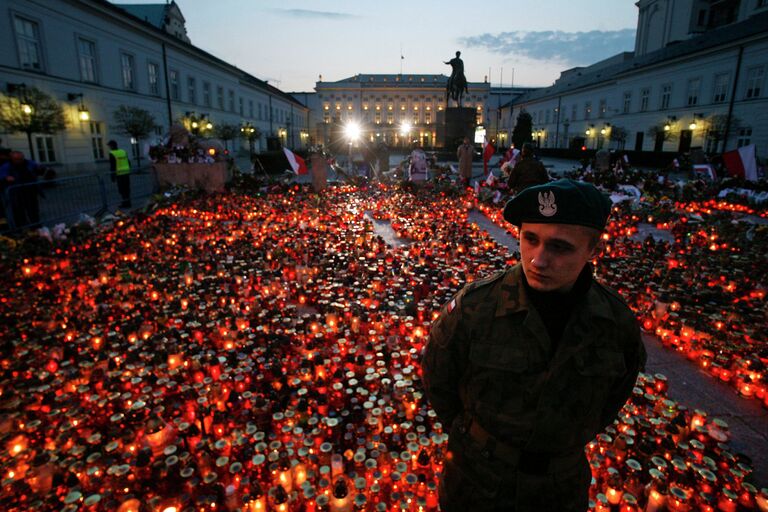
(489, 357)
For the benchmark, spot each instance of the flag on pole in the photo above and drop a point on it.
(297, 163)
(741, 162)
(488, 151)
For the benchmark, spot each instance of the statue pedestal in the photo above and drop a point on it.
(453, 124)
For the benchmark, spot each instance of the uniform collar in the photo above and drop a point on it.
(513, 298)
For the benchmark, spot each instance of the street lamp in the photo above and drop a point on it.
(405, 130)
(693, 124)
(248, 131)
(82, 112)
(352, 131)
(669, 123)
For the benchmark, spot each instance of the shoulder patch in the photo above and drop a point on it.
(486, 281)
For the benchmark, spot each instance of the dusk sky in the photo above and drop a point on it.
(291, 42)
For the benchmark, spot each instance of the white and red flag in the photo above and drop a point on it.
(741, 162)
(297, 163)
(488, 151)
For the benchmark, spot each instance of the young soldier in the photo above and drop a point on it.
(528, 366)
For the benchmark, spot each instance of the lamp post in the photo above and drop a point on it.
(82, 112)
(248, 131)
(352, 132)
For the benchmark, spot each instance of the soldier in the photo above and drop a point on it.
(529, 365)
(528, 172)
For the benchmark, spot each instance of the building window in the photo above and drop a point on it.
(326, 116)
(546, 117)
(428, 117)
(415, 118)
(627, 102)
(240, 105)
(45, 154)
(745, 137)
(720, 88)
(645, 93)
(191, 89)
(173, 77)
(207, 94)
(694, 86)
(377, 117)
(754, 81)
(220, 97)
(666, 94)
(153, 73)
(231, 94)
(97, 140)
(390, 117)
(87, 51)
(602, 109)
(250, 109)
(261, 115)
(587, 110)
(28, 42)
(128, 71)
(574, 111)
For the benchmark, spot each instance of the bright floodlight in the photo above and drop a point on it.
(405, 128)
(352, 131)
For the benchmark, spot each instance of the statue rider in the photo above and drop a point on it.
(457, 83)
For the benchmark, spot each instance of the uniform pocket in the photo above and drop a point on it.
(497, 381)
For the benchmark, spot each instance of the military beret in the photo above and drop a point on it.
(560, 202)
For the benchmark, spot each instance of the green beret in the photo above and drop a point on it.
(560, 202)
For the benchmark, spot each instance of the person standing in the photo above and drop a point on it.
(120, 169)
(465, 153)
(527, 366)
(21, 174)
(418, 170)
(527, 172)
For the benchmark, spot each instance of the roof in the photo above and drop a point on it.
(396, 79)
(578, 78)
(154, 14)
(119, 10)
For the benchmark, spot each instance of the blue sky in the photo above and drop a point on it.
(292, 42)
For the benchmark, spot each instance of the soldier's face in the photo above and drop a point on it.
(553, 255)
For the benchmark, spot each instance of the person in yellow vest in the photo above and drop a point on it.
(120, 169)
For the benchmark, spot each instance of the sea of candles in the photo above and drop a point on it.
(239, 352)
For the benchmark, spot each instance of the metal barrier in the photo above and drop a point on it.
(49, 202)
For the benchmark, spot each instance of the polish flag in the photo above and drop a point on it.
(488, 151)
(297, 163)
(741, 162)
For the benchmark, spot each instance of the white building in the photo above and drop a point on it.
(97, 56)
(398, 108)
(695, 79)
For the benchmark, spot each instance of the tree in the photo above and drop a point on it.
(227, 132)
(619, 136)
(135, 122)
(522, 131)
(719, 128)
(251, 134)
(31, 111)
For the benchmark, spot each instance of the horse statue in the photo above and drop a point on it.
(457, 83)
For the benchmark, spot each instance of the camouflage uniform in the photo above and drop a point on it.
(520, 413)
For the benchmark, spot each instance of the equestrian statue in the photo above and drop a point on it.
(457, 83)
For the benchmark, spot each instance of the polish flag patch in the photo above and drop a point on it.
(451, 305)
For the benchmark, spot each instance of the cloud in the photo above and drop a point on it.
(574, 48)
(308, 13)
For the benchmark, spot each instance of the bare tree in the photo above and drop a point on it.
(619, 136)
(717, 128)
(227, 132)
(31, 111)
(135, 122)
